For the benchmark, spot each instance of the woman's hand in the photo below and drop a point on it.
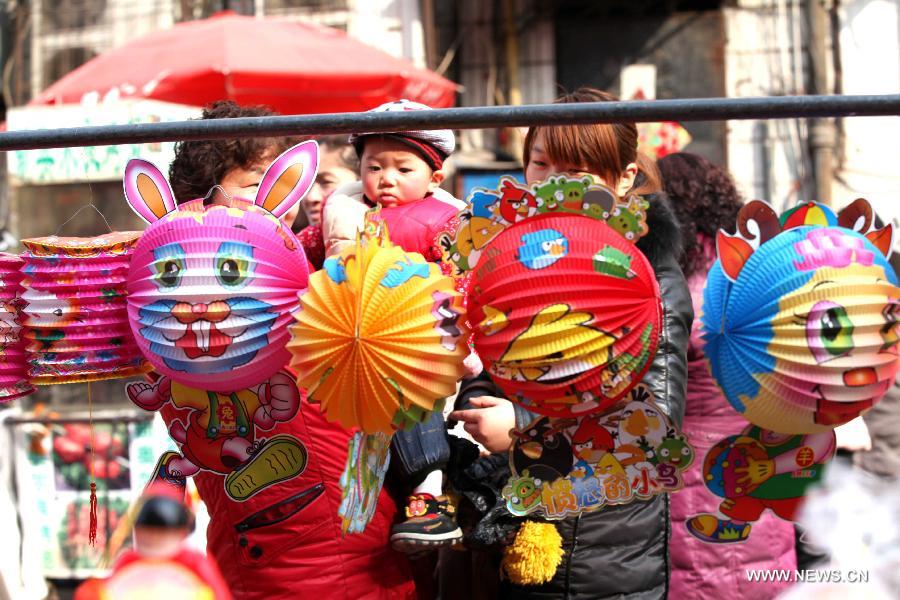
(489, 423)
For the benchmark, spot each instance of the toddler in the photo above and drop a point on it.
(402, 172)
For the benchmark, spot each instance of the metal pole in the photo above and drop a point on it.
(696, 109)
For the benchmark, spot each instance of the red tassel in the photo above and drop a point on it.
(92, 532)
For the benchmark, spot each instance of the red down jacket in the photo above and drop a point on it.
(302, 554)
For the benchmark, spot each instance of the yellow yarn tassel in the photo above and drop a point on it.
(535, 554)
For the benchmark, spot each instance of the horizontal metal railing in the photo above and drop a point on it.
(693, 109)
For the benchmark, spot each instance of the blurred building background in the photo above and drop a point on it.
(525, 51)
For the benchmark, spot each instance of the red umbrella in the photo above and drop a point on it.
(292, 67)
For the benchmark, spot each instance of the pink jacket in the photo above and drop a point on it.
(413, 226)
(700, 569)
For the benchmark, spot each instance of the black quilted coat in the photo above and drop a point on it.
(619, 552)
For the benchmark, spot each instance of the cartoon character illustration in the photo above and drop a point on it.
(613, 262)
(641, 429)
(543, 450)
(674, 450)
(598, 202)
(628, 221)
(220, 432)
(839, 290)
(522, 494)
(495, 321)
(549, 195)
(474, 233)
(599, 470)
(404, 270)
(553, 321)
(482, 202)
(45, 310)
(516, 203)
(755, 470)
(573, 191)
(542, 248)
(211, 288)
(590, 442)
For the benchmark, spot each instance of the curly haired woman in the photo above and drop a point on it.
(276, 544)
(705, 199)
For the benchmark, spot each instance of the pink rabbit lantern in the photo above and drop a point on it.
(13, 366)
(211, 287)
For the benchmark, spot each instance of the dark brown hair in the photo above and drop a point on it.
(605, 149)
(705, 200)
(200, 165)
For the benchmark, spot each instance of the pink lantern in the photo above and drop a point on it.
(75, 315)
(212, 287)
(13, 368)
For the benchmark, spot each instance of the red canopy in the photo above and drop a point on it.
(294, 68)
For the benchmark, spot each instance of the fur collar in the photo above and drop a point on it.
(664, 236)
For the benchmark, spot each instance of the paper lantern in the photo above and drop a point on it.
(801, 331)
(13, 366)
(75, 317)
(211, 287)
(379, 338)
(565, 313)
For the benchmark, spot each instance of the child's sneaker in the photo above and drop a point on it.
(430, 522)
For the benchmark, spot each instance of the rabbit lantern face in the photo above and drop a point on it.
(211, 287)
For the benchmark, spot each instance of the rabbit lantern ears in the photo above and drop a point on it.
(285, 183)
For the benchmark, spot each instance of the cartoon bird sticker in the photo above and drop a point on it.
(569, 339)
(542, 248)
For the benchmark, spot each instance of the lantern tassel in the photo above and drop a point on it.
(92, 527)
(92, 531)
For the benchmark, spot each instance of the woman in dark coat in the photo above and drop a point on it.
(620, 551)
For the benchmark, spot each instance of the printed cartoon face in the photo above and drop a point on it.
(591, 440)
(515, 202)
(641, 420)
(625, 223)
(573, 192)
(542, 450)
(675, 451)
(814, 311)
(838, 332)
(556, 320)
(211, 288)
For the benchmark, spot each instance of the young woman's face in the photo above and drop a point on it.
(331, 175)
(393, 174)
(541, 166)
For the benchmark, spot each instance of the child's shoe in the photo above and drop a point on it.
(430, 523)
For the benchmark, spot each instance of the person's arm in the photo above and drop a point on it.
(487, 415)
(342, 217)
